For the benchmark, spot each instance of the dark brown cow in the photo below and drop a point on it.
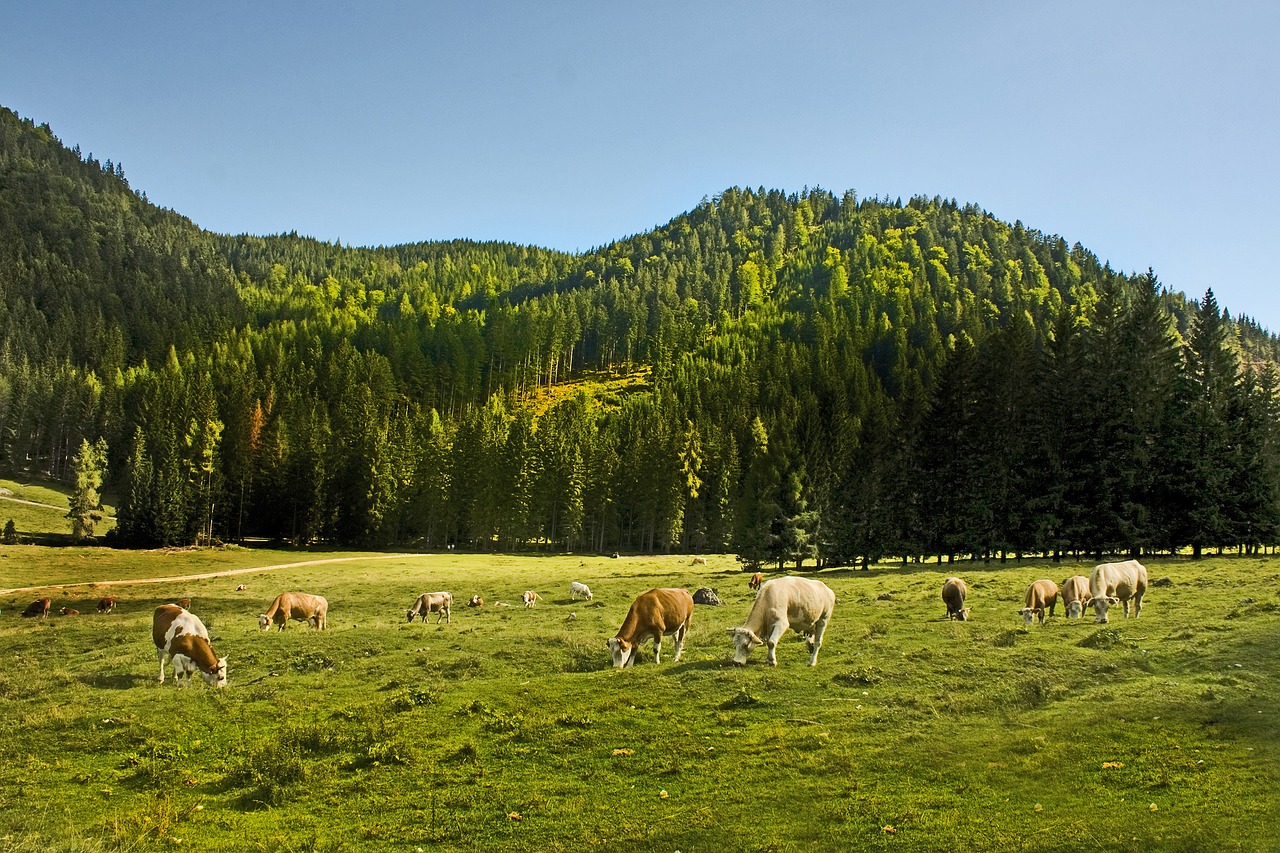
(106, 604)
(38, 609)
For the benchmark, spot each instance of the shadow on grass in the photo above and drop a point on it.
(117, 681)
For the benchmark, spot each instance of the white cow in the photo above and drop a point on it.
(801, 604)
(1113, 583)
(579, 589)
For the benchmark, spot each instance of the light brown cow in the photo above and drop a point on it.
(756, 580)
(1075, 595)
(432, 602)
(38, 609)
(312, 609)
(655, 614)
(180, 635)
(954, 592)
(106, 604)
(1041, 599)
(801, 604)
(1112, 583)
(67, 611)
(529, 598)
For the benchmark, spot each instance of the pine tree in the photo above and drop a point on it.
(87, 472)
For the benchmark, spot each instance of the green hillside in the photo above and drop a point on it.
(828, 378)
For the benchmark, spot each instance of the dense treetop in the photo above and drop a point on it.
(795, 377)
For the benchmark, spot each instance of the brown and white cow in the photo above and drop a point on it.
(529, 598)
(432, 602)
(106, 604)
(1041, 599)
(67, 611)
(181, 636)
(38, 609)
(954, 592)
(654, 614)
(801, 604)
(756, 580)
(1113, 583)
(1075, 595)
(475, 601)
(312, 609)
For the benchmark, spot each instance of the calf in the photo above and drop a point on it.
(180, 635)
(1041, 598)
(38, 609)
(801, 604)
(106, 604)
(1075, 595)
(954, 592)
(655, 614)
(475, 601)
(1113, 583)
(529, 598)
(756, 580)
(66, 611)
(432, 602)
(579, 589)
(312, 609)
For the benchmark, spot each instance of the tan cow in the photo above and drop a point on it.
(756, 580)
(801, 604)
(1041, 599)
(1075, 595)
(432, 602)
(954, 592)
(38, 609)
(180, 635)
(656, 613)
(1112, 583)
(529, 598)
(312, 609)
(67, 611)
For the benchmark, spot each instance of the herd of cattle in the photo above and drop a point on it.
(786, 603)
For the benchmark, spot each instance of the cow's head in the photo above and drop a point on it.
(1100, 604)
(217, 676)
(264, 621)
(962, 614)
(1028, 615)
(409, 614)
(1075, 609)
(624, 653)
(744, 640)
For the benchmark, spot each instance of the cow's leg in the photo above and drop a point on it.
(1137, 605)
(680, 634)
(160, 656)
(657, 648)
(819, 628)
(771, 643)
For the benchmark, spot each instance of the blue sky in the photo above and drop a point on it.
(1146, 131)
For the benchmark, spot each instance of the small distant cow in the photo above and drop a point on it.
(653, 614)
(1041, 599)
(312, 609)
(1075, 595)
(38, 609)
(67, 611)
(954, 592)
(529, 598)
(756, 580)
(579, 589)
(475, 601)
(182, 637)
(106, 604)
(242, 587)
(432, 602)
(699, 561)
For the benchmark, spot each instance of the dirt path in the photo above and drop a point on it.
(31, 503)
(206, 575)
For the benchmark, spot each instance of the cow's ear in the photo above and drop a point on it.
(1114, 600)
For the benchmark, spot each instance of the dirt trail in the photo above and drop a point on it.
(206, 575)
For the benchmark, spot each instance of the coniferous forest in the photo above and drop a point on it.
(799, 378)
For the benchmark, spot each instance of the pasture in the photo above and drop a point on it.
(508, 727)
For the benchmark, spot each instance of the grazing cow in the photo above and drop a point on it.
(801, 604)
(66, 611)
(1041, 599)
(106, 604)
(38, 609)
(475, 601)
(242, 587)
(699, 561)
(579, 589)
(529, 598)
(1075, 595)
(181, 636)
(756, 580)
(655, 614)
(1112, 583)
(184, 603)
(432, 602)
(954, 592)
(312, 609)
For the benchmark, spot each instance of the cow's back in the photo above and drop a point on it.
(1123, 580)
(170, 620)
(801, 601)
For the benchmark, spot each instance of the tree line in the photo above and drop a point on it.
(799, 378)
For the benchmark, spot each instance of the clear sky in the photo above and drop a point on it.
(1147, 131)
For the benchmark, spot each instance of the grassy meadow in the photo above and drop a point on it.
(509, 727)
(38, 510)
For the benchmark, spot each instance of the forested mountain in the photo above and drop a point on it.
(795, 377)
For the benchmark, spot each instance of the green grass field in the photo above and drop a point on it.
(508, 726)
(38, 510)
